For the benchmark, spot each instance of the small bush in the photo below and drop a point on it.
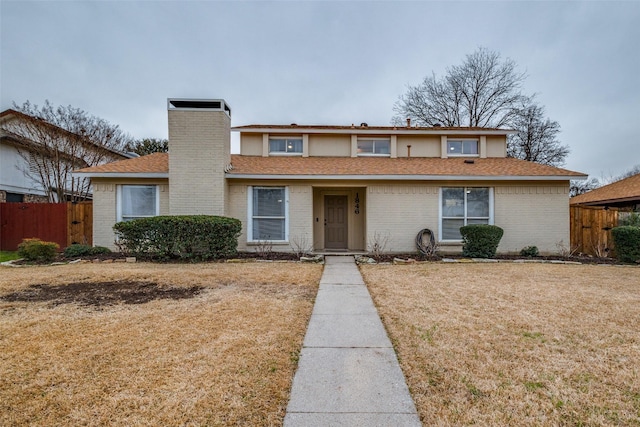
(99, 250)
(197, 237)
(77, 250)
(37, 250)
(480, 240)
(627, 241)
(529, 251)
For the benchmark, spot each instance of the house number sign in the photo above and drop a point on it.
(357, 209)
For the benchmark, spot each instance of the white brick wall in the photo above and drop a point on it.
(532, 215)
(400, 212)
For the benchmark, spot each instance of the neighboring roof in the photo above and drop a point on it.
(625, 190)
(154, 165)
(390, 130)
(419, 168)
(285, 167)
(8, 114)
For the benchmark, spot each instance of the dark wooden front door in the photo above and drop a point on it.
(335, 217)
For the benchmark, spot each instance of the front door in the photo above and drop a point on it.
(335, 222)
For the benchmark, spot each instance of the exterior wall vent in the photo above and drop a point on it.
(198, 105)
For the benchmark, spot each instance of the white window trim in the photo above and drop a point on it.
(374, 139)
(284, 153)
(491, 212)
(250, 188)
(463, 139)
(119, 200)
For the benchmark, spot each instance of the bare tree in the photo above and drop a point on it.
(536, 140)
(482, 91)
(485, 91)
(580, 187)
(55, 141)
(145, 146)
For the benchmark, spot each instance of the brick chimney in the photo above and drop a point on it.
(199, 152)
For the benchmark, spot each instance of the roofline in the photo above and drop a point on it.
(374, 131)
(406, 177)
(605, 201)
(121, 174)
(11, 112)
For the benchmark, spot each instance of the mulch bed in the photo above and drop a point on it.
(99, 294)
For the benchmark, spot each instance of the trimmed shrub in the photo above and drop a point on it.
(529, 251)
(627, 241)
(76, 250)
(37, 250)
(197, 237)
(480, 240)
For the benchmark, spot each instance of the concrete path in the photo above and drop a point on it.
(348, 373)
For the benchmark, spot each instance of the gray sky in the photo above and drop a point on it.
(325, 62)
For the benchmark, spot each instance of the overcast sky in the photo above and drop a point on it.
(325, 62)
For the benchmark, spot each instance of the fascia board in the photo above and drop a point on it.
(402, 177)
(120, 175)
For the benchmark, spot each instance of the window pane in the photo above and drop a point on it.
(454, 147)
(268, 202)
(451, 229)
(294, 146)
(277, 145)
(268, 229)
(365, 146)
(478, 202)
(138, 201)
(382, 147)
(453, 202)
(470, 147)
(477, 221)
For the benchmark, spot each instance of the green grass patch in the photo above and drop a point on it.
(8, 256)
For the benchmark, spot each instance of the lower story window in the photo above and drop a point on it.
(462, 206)
(268, 214)
(137, 201)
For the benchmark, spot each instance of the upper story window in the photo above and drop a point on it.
(285, 145)
(374, 147)
(462, 147)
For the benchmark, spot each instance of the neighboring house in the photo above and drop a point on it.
(15, 184)
(623, 194)
(336, 188)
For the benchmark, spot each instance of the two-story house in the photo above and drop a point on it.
(339, 188)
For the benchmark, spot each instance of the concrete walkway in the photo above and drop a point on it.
(348, 373)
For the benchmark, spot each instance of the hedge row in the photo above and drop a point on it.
(197, 237)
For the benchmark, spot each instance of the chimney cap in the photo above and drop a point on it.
(194, 104)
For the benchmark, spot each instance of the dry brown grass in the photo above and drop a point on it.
(225, 357)
(510, 344)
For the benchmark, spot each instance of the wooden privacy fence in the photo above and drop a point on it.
(63, 223)
(591, 230)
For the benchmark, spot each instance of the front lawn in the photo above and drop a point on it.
(515, 344)
(149, 344)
